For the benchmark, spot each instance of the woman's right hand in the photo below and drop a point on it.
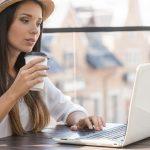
(29, 75)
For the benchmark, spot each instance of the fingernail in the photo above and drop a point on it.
(91, 127)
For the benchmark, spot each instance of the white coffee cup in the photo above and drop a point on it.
(31, 56)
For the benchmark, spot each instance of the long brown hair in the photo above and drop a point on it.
(38, 111)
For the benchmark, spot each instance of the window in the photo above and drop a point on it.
(95, 62)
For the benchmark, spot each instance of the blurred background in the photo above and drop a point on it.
(97, 69)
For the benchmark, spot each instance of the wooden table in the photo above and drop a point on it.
(43, 141)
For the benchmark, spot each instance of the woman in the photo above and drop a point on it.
(22, 110)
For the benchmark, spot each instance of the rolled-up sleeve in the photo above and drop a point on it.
(59, 105)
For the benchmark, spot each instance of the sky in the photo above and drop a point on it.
(118, 7)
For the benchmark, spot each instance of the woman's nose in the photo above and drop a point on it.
(34, 30)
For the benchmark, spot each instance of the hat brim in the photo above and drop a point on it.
(48, 6)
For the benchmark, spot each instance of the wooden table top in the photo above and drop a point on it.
(44, 141)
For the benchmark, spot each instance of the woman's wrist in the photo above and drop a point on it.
(12, 94)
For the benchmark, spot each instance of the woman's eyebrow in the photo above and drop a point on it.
(24, 14)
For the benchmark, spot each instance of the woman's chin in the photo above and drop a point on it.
(27, 50)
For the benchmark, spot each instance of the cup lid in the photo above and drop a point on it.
(35, 54)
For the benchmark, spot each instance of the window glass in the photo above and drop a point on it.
(97, 69)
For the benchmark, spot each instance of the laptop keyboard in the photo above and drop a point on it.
(115, 133)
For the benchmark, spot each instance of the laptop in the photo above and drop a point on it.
(138, 126)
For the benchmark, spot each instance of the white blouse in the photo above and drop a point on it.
(59, 105)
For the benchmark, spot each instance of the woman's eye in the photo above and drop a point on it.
(25, 20)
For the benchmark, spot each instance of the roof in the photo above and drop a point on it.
(100, 60)
(98, 56)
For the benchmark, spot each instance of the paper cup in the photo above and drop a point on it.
(32, 56)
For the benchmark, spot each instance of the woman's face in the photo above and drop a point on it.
(25, 29)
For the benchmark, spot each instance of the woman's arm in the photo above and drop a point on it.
(7, 101)
(63, 109)
(28, 76)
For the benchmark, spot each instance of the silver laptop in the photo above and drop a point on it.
(138, 127)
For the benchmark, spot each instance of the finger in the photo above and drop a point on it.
(100, 122)
(74, 128)
(95, 122)
(81, 124)
(88, 123)
(104, 123)
(37, 74)
(37, 68)
(33, 62)
(85, 123)
(36, 81)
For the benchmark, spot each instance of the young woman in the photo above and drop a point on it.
(22, 110)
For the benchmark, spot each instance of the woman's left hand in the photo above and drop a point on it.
(91, 122)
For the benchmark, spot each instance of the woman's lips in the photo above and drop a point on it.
(30, 42)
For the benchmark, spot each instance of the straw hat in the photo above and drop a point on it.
(48, 6)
